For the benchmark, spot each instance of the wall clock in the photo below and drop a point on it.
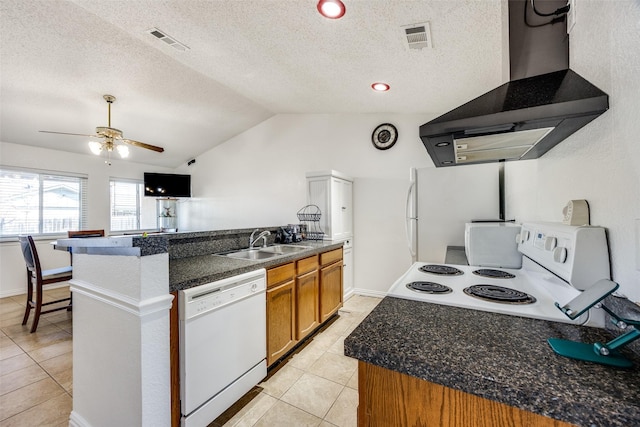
(384, 136)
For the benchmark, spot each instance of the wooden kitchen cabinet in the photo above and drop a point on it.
(307, 308)
(174, 359)
(301, 295)
(330, 283)
(330, 290)
(280, 314)
(389, 398)
(281, 311)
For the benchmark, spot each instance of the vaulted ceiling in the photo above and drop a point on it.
(246, 61)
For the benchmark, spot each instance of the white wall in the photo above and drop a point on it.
(601, 162)
(258, 179)
(12, 268)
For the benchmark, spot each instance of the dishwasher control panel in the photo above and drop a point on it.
(212, 296)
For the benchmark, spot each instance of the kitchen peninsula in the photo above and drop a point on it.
(437, 365)
(124, 291)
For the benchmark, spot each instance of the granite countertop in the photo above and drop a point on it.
(499, 357)
(192, 255)
(193, 271)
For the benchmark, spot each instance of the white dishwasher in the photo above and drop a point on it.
(223, 344)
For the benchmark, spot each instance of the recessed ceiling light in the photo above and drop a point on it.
(332, 9)
(380, 87)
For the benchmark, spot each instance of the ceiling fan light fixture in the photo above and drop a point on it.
(95, 147)
(123, 150)
(332, 9)
(111, 137)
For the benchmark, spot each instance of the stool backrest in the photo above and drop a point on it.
(29, 253)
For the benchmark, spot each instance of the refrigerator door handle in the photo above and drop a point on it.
(411, 237)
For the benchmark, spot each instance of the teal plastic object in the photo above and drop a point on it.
(589, 352)
(604, 354)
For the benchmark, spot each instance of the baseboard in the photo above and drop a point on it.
(76, 420)
(369, 293)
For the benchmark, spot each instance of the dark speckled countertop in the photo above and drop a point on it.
(193, 271)
(499, 357)
(192, 255)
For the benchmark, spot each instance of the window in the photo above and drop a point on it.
(130, 210)
(33, 202)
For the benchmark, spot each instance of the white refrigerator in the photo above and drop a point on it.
(441, 200)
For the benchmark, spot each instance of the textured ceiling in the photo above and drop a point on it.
(248, 60)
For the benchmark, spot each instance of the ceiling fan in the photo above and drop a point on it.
(111, 138)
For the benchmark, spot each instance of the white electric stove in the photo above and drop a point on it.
(559, 261)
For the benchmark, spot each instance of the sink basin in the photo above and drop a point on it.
(253, 254)
(266, 252)
(285, 249)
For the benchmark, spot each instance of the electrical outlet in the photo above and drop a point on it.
(571, 15)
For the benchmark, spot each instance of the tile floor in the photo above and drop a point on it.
(316, 387)
(35, 369)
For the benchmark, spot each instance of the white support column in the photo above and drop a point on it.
(121, 367)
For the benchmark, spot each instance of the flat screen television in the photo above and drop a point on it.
(167, 185)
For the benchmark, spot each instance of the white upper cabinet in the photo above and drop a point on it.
(332, 192)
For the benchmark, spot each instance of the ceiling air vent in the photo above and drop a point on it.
(159, 34)
(418, 36)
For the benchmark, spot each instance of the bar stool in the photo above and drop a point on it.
(41, 278)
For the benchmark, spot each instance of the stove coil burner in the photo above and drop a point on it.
(429, 287)
(494, 274)
(499, 294)
(442, 270)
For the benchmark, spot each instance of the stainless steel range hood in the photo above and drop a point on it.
(526, 117)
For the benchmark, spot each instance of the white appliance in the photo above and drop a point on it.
(492, 244)
(558, 262)
(223, 344)
(441, 200)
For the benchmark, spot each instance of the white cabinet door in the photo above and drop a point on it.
(346, 208)
(341, 208)
(334, 197)
(347, 269)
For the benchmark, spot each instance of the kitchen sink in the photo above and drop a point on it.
(266, 252)
(285, 249)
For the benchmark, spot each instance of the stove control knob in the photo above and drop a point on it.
(524, 235)
(550, 243)
(560, 255)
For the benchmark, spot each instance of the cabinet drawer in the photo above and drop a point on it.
(307, 264)
(331, 256)
(280, 274)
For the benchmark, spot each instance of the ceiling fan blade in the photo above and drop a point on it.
(67, 133)
(143, 145)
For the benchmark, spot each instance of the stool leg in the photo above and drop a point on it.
(29, 298)
(36, 315)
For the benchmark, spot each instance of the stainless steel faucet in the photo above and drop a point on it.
(262, 236)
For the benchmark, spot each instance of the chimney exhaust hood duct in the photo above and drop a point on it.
(543, 104)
